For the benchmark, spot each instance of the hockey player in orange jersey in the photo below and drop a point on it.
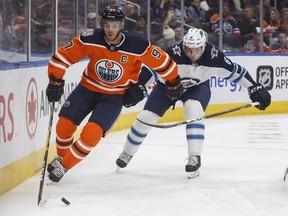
(109, 81)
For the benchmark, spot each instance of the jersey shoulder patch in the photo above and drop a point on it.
(93, 36)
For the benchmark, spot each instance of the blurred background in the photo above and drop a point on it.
(31, 30)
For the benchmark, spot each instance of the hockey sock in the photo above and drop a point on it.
(64, 135)
(194, 131)
(139, 131)
(89, 138)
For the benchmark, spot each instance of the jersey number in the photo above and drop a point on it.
(68, 45)
(156, 53)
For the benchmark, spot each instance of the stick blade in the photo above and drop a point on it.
(42, 202)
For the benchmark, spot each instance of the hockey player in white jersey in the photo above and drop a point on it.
(197, 61)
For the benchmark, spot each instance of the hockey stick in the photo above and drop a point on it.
(41, 202)
(200, 118)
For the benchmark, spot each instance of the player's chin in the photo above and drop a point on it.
(111, 37)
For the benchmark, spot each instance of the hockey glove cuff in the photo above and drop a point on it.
(134, 95)
(55, 89)
(174, 90)
(258, 93)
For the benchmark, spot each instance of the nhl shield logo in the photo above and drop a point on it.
(265, 76)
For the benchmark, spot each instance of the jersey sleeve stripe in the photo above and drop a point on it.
(63, 59)
(164, 63)
(166, 68)
(169, 71)
(242, 74)
(57, 65)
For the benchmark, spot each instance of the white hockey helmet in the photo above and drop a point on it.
(195, 38)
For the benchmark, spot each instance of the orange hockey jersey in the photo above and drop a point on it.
(111, 69)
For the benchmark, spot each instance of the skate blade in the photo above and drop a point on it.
(191, 175)
(118, 169)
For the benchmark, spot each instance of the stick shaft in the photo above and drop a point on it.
(44, 163)
(202, 117)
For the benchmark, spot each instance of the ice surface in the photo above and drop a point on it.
(241, 175)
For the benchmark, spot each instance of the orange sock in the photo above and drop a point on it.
(89, 138)
(64, 135)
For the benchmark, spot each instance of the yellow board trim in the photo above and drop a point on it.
(26, 167)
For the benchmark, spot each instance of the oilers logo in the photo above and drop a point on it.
(109, 71)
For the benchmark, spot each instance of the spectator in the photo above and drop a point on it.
(177, 30)
(271, 21)
(248, 23)
(91, 7)
(42, 42)
(281, 45)
(252, 44)
(283, 28)
(195, 14)
(284, 13)
(177, 14)
(168, 38)
(160, 9)
(141, 28)
(156, 32)
(15, 34)
(229, 23)
(91, 20)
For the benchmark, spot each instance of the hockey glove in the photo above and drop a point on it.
(55, 89)
(134, 95)
(174, 90)
(258, 93)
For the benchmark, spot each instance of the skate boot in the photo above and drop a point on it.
(53, 164)
(123, 160)
(193, 165)
(58, 172)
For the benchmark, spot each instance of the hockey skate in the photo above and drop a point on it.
(58, 172)
(53, 164)
(193, 165)
(123, 160)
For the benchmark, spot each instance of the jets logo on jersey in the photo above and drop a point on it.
(214, 52)
(177, 50)
(109, 71)
(189, 82)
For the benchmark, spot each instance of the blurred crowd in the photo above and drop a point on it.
(240, 27)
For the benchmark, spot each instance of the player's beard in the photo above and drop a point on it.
(113, 40)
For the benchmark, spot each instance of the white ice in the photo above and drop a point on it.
(241, 175)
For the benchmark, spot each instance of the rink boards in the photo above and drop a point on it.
(24, 110)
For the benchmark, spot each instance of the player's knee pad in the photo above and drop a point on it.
(91, 134)
(193, 109)
(65, 128)
(148, 116)
(145, 116)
